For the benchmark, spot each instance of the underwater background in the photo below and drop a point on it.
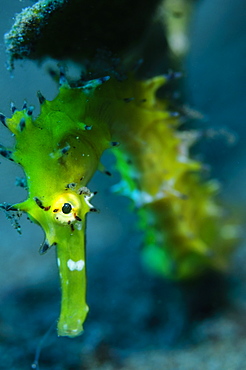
(136, 320)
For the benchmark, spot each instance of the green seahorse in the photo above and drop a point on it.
(60, 151)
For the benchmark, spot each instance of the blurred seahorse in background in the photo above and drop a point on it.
(185, 230)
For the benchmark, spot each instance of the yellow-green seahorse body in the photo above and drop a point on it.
(60, 151)
(186, 231)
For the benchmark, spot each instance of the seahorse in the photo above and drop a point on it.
(60, 151)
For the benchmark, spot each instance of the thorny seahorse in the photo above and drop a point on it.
(60, 150)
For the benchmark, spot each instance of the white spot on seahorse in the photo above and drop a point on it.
(87, 200)
(58, 262)
(78, 225)
(73, 265)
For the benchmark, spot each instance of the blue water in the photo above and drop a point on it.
(131, 311)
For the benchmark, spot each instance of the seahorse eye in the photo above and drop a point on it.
(66, 208)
